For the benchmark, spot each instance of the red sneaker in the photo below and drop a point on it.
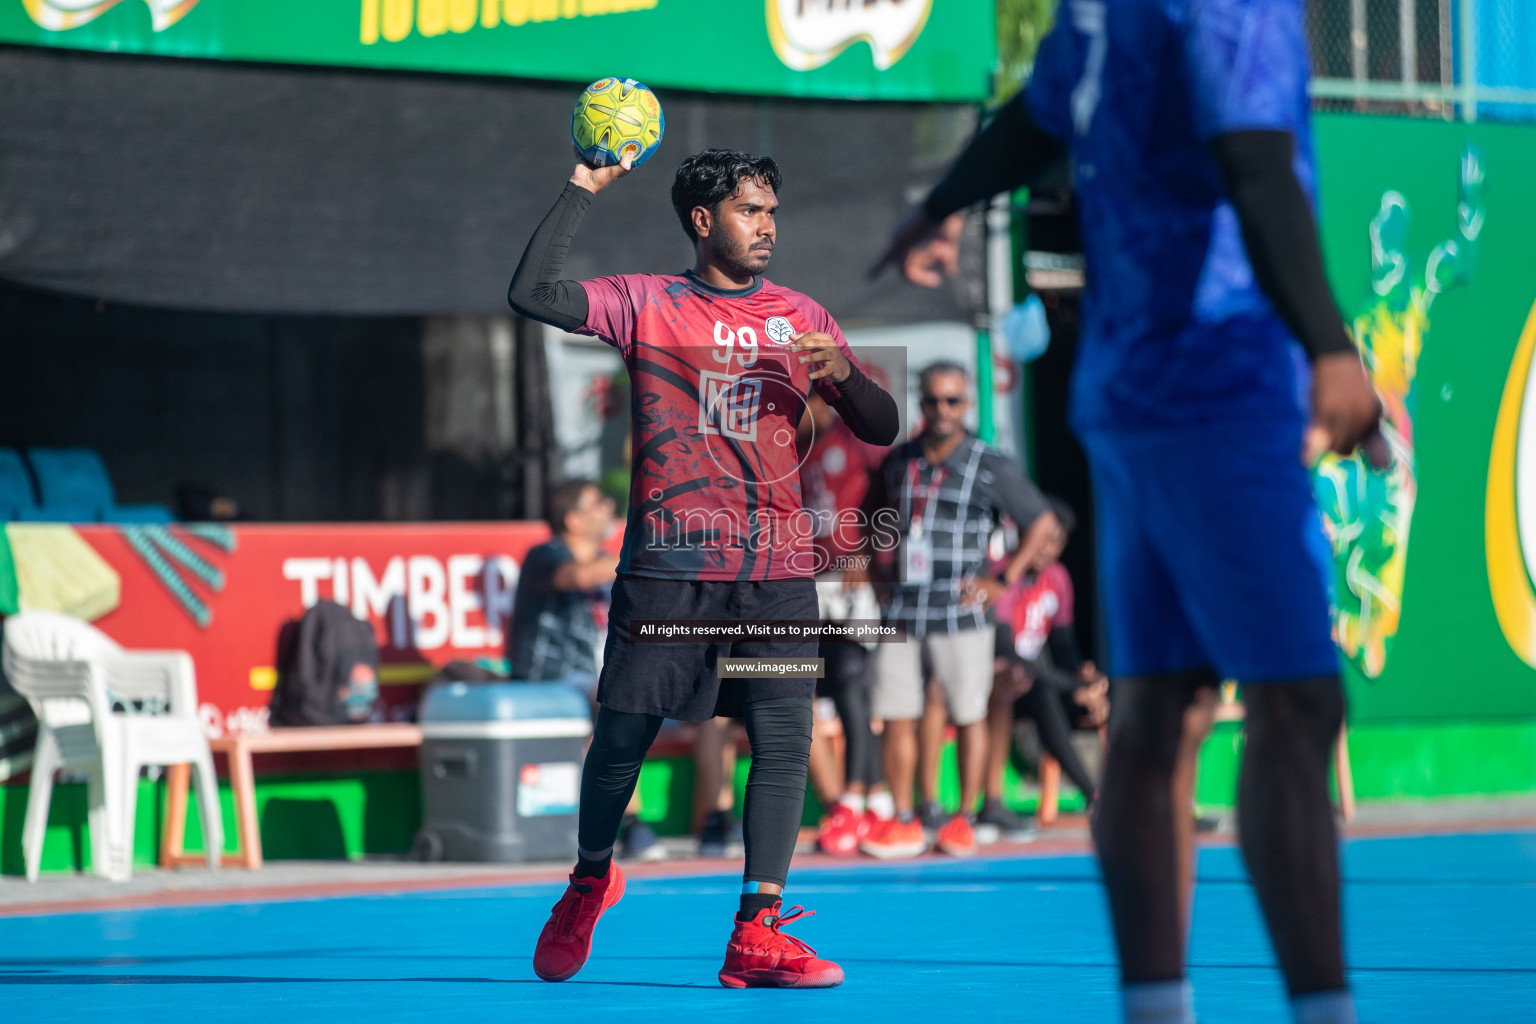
(760, 956)
(894, 839)
(956, 837)
(841, 831)
(566, 941)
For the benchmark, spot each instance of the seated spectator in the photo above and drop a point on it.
(1040, 675)
(562, 589)
(561, 609)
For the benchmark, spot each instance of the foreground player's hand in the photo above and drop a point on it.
(595, 179)
(926, 251)
(823, 355)
(1346, 414)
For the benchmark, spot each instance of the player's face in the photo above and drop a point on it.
(741, 232)
(944, 405)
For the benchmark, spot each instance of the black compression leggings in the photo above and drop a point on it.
(780, 732)
(1044, 704)
(847, 667)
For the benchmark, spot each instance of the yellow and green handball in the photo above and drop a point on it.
(615, 118)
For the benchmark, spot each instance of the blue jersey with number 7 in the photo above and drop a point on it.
(1175, 330)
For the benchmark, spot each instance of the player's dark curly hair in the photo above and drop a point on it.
(707, 179)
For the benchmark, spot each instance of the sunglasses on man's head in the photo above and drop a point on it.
(949, 400)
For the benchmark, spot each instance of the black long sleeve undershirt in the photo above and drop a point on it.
(1012, 150)
(867, 408)
(537, 292)
(1281, 235)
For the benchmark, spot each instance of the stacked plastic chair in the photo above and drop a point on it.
(16, 498)
(74, 487)
(111, 713)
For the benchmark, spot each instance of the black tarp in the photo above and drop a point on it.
(212, 186)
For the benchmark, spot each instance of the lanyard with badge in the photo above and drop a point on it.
(919, 545)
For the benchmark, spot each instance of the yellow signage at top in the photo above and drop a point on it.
(394, 20)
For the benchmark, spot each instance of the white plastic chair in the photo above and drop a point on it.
(111, 712)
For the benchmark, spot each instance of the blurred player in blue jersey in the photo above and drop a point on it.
(1186, 126)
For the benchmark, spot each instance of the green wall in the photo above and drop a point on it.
(301, 816)
(318, 817)
(1449, 659)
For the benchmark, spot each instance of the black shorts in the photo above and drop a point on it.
(680, 680)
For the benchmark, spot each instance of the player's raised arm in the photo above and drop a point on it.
(1281, 238)
(536, 291)
(1011, 151)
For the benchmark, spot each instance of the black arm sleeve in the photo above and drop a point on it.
(1043, 671)
(1010, 151)
(1062, 643)
(867, 408)
(1281, 235)
(536, 291)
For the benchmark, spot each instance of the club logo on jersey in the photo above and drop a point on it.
(63, 15)
(808, 33)
(779, 330)
(729, 405)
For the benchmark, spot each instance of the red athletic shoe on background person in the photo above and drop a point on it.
(758, 955)
(956, 837)
(894, 839)
(842, 830)
(566, 941)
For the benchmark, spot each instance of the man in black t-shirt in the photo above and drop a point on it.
(555, 632)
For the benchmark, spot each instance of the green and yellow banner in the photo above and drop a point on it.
(872, 49)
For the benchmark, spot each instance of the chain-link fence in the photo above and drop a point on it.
(1439, 58)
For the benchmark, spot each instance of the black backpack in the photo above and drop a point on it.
(327, 669)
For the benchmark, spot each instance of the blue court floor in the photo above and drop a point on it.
(1440, 929)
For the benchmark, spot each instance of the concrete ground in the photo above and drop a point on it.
(292, 879)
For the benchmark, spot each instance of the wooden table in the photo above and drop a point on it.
(239, 750)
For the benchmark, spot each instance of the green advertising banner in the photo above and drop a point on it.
(1428, 227)
(873, 49)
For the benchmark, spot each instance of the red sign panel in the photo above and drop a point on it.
(433, 592)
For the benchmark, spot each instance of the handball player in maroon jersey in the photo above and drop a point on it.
(721, 362)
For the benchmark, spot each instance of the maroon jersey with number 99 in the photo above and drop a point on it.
(716, 393)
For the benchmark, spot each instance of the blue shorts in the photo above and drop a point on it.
(1211, 553)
